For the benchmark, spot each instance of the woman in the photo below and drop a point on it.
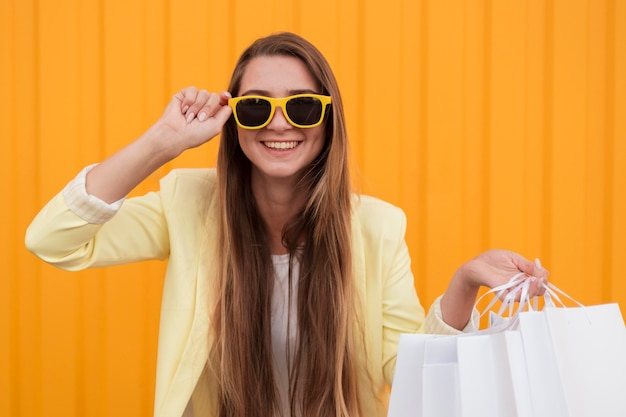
(285, 294)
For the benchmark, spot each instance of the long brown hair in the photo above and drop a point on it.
(324, 375)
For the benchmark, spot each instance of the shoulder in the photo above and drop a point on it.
(378, 217)
(189, 182)
(189, 189)
(190, 176)
(368, 205)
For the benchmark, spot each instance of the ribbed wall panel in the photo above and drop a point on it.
(492, 123)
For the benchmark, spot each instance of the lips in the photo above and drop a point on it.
(281, 145)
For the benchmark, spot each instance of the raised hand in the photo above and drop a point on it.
(193, 117)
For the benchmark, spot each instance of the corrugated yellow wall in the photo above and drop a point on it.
(492, 123)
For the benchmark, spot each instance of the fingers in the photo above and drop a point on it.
(540, 271)
(499, 266)
(201, 104)
(537, 275)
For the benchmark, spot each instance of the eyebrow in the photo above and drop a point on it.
(267, 93)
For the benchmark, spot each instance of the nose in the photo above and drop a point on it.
(279, 121)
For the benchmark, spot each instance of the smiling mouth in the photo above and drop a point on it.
(282, 146)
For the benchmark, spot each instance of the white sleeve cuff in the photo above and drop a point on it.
(436, 325)
(88, 207)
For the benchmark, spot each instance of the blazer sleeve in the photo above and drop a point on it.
(137, 232)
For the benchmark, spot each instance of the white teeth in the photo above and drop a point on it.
(281, 145)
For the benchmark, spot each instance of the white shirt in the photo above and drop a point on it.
(284, 324)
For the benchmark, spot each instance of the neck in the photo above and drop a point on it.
(278, 201)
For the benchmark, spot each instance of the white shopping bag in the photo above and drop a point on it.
(576, 360)
(440, 375)
(406, 391)
(440, 378)
(548, 397)
(557, 362)
(590, 346)
(473, 375)
(493, 381)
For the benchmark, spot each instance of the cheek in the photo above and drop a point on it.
(245, 137)
(318, 138)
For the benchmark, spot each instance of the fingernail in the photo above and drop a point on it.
(190, 117)
(185, 109)
(202, 116)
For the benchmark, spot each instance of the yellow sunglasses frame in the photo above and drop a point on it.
(280, 102)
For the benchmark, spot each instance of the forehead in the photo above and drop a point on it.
(277, 76)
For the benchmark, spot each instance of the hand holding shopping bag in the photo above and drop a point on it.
(557, 361)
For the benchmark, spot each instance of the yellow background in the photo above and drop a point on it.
(493, 123)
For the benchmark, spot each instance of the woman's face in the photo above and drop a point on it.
(279, 150)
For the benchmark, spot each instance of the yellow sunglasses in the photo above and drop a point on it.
(300, 110)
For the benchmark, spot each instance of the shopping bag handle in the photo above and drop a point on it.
(552, 293)
(520, 284)
(507, 293)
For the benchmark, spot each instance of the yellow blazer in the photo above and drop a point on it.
(179, 223)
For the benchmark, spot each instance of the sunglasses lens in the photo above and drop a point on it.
(253, 112)
(304, 111)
